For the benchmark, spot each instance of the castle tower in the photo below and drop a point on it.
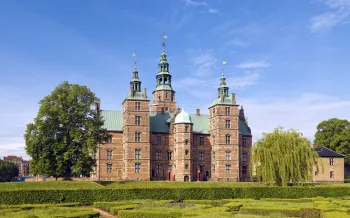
(163, 95)
(136, 132)
(183, 147)
(223, 127)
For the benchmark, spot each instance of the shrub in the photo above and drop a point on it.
(116, 209)
(234, 206)
(148, 214)
(55, 212)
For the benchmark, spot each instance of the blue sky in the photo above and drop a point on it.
(288, 63)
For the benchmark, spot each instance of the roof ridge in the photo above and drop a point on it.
(332, 150)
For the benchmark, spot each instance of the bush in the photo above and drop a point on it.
(116, 209)
(233, 206)
(55, 212)
(148, 214)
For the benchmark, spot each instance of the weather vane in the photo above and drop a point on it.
(135, 58)
(163, 42)
(222, 66)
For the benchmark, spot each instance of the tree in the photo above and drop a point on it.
(65, 134)
(8, 171)
(334, 134)
(283, 157)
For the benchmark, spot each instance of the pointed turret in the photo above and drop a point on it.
(223, 96)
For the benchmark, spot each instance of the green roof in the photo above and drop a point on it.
(137, 96)
(159, 122)
(164, 87)
(227, 101)
(183, 117)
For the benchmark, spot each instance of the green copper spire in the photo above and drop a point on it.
(163, 66)
(223, 88)
(135, 82)
(163, 78)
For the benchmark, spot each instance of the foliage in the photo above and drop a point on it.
(114, 210)
(283, 157)
(334, 134)
(63, 139)
(8, 171)
(43, 211)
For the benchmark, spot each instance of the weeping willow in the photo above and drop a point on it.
(283, 157)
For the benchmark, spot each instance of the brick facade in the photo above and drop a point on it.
(137, 150)
(22, 165)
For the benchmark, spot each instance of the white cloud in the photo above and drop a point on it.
(339, 13)
(203, 62)
(195, 3)
(253, 65)
(213, 11)
(302, 112)
(247, 79)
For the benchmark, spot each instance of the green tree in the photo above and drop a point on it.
(334, 134)
(65, 134)
(8, 171)
(283, 157)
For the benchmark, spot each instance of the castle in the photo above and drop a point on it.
(162, 142)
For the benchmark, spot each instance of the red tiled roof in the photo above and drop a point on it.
(12, 157)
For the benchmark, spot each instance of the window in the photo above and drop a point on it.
(213, 168)
(213, 139)
(109, 139)
(186, 128)
(159, 140)
(244, 156)
(137, 153)
(159, 168)
(166, 108)
(137, 120)
(109, 154)
(137, 137)
(201, 140)
(186, 166)
(170, 155)
(244, 170)
(166, 95)
(228, 124)
(331, 161)
(228, 155)
(244, 141)
(109, 168)
(186, 152)
(201, 168)
(228, 112)
(186, 142)
(137, 106)
(214, 155)
(228, 168)
(228, 139)
(158, 155)
(201, 155)
(331, 174)
(137, 167)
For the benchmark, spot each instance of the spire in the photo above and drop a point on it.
(223, 88)
(163, 77)
(135, 82)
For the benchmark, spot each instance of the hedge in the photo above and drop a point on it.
(88, 196)
(148, 214)
(116, 209)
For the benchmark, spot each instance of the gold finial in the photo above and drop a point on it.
(222, 66)
(163, 42)
(135, 58)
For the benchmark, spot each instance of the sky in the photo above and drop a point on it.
(287, 61)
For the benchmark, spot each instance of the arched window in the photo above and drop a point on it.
(137, 136)
(186, 142)
(228, 139)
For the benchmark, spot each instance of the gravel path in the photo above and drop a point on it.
(103, 213)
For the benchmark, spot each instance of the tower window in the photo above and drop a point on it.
(186, 166)
(137, 153)
(109, 154)
(213, 168)
(159, 155)
(228, 139)
(137, 120)
(137, 106)
(137, 167)
(159, 140)
(201, 140)
(331, 174)
(109, 168)
(331, 161)
(186, 152)
(186, 142)
(109, 139)
(228, 168)
(186, 128)
(228, 112)
(244, 141)
(244, 157)
(170, 155)
(214, 155)
(244, 170)
(228, 124)
(166, 95)
(228, 155)
(137, 136)
(201, 155)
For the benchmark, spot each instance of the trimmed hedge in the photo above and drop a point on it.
(116, 209)
(88, 196)
(293, 212)
(148, 214)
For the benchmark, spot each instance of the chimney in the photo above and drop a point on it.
(198, 112)
(145, 91)
(233, 95)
